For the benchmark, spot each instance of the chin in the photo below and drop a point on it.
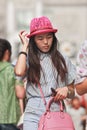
(44, 51)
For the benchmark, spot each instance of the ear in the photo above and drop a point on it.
(6, 56)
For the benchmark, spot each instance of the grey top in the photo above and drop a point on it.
(49, 76)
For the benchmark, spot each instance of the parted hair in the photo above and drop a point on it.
(4, 45)
(33, 73)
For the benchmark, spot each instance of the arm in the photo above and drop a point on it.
(21, 67)
(20, 91)
(81, 88)
(21, 104)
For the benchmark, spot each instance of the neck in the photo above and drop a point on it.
(41, 52)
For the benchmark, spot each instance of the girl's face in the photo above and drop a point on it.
(44, 41)
(76, 103)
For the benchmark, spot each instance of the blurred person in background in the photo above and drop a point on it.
(11, 90)
(81, 79)
(77, 113)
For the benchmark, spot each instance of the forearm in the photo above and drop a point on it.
(21, 104)
(21, 67)
(81, 88)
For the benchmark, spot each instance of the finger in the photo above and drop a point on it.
(20, 37)
(22, 32)
(62, 97)
(57, 97)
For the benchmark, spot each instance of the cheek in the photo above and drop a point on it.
(39, 45)
(50, 43)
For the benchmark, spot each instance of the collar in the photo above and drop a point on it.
(43, 55)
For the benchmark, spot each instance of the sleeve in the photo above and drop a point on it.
(71, 75)
(80, 75)
(81, 61)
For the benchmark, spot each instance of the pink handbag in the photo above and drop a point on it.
(55, 120)
(59, 120)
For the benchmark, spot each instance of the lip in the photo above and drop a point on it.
(46, 46)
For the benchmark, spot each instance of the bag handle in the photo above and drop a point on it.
(51, 101)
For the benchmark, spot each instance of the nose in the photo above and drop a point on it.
(45, 41)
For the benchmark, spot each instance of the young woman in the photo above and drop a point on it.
(46, 67)
(11, 90)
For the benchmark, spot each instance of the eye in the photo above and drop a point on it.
(40, 38)
(49, 36)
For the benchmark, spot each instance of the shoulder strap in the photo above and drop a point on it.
(42, 94)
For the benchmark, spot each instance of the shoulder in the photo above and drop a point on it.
(69, 64)
(5, 66)
(9, 69)
(66, 58)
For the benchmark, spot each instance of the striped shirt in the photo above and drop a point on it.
(49, 76)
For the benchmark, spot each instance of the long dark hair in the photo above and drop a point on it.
(33, 73)
(4, 45)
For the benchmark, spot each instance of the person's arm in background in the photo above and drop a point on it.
(21, 66)
(21, 104)
(22, 101)
(20, 94)
(81, 88)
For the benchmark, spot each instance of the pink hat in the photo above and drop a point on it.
(40, 25)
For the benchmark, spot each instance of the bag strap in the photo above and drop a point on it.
(42, 94)
(62, 104)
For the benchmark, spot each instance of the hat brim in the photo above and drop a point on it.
(41, 32)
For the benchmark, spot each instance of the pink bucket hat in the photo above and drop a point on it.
(40, 25)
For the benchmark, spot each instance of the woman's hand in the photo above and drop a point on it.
(24, 39)
(65, 92)
(61, 93)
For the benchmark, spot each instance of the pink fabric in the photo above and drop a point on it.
(40, 25)
(82, 63)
